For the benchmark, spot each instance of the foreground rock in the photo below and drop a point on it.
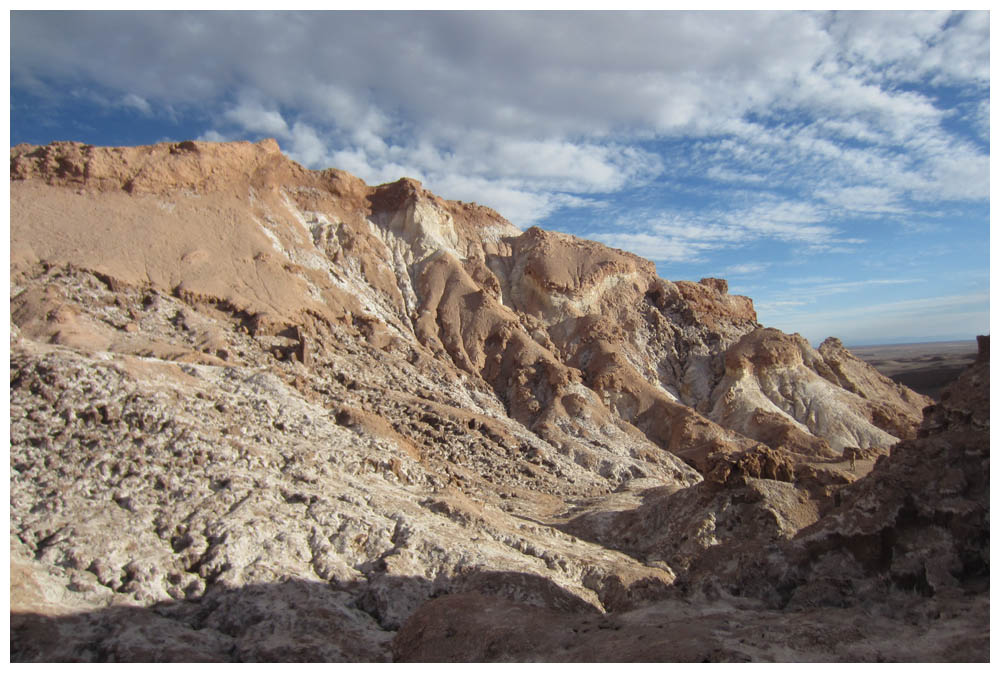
(265, 413)
(471, 627)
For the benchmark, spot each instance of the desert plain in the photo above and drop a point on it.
(924, 367)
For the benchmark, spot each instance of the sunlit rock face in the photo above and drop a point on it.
(265, 413)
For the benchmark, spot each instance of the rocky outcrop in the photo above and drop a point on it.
(780, 391)
(918, 524)
(265, 413)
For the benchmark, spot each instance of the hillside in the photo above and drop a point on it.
(265, 413)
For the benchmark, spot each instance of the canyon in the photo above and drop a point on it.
(266, 413)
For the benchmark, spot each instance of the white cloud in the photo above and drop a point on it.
(812, 280)
(213, 136)
(862, 199)
(785, 221)
(980, 118)
(952, 48)
(255, 118)
(954, 174)
(686, 236)
(706, 228)
(728, 175)
(307, 146)
(815, 291)
(443, 72)
(138, 103)
(841, 287)
(777, 306)
(745, 269)
(521, 206)
(656, 247)
(850, 128)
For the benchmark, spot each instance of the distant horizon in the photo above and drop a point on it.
(838, 178)
(913, 342)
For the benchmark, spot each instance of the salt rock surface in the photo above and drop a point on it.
(265, 413)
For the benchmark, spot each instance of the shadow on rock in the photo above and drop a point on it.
(290, 621)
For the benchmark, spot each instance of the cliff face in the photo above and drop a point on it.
(231, 376)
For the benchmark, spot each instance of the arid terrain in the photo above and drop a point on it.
(924, 367)
(263, 413)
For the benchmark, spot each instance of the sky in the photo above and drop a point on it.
(832, 166)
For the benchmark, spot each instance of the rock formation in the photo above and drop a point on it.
(265, 413)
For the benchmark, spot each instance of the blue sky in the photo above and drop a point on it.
(832, 166)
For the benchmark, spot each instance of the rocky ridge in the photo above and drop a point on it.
(265, 413)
